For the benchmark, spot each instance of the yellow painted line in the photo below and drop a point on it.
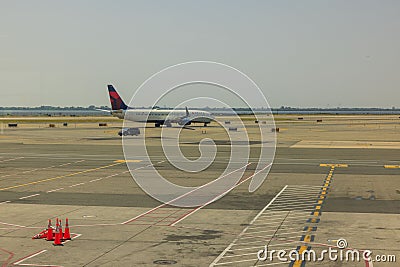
(129, 160)
(322, 197)
(392, 166)
(307, 238)
(297, 263)
(334, 165)
(302, 249)
(326, 184)
(320, 202)
(316, 213)
(60, 177)
(323, 193)
(318, 207)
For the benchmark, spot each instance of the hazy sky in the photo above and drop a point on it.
(300, 53)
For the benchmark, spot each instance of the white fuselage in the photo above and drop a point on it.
(162, 116)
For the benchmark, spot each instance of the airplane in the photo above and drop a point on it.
(157, 116)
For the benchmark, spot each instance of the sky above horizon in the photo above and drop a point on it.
(300, 53)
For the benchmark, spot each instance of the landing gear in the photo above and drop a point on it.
(158, 125)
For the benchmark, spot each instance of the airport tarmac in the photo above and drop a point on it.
(336, 178)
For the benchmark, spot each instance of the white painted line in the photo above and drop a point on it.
(76, 184)
(230, 262)
(293, 205)
(218, 196)
(300, 209)
(257, 232)
(26, 171)
(220, 256)
(274, 212)
(267, 221)
(281, 229)
(263, 242)
(290, 217)
(258, 247)
(301, 194)
(5, 160)
(287, 243)
(29, 196)
(293, 201)
(273, 263)
(302, 190)
(300, 198)
(183, 195)
(54, 190)
(29, 257)
(240, 255)
(74, 236)
(302, 186)
(295, 232)
(95, 180)
(4, 202)
(45, 168)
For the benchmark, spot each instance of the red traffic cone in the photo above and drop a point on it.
(61, 230)
(67, 235)
(57, 240)
(42, 234)
(50, 236)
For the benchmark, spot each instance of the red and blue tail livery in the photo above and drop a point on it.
(116, 101)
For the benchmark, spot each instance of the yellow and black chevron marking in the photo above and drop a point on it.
(310, 228)
(315, 215)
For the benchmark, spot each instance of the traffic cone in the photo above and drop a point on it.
(67, 235)
(42, 234)
(50, 236)
(61, 230)
(57, 240)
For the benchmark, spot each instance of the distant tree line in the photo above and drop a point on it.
(282, 108)
(91, 107)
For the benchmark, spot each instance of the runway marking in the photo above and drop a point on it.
(391, 166)
(76, 184)
(189, 211)
(316, 213)
(29, 196)
(334, 165)
(128, 160)
(40, 169)
(11, 255)
(5, 160)
(220, 256)
(217, 197)
(284, 226)
(60, 177)
(4, 202)
(20, 261)
(54, 190)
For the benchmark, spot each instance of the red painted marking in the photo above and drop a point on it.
(11, 255)
(20, 261)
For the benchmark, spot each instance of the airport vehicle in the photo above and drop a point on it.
(129, 131)
(157, 116)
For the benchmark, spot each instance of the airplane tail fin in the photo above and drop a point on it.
(116, 101)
